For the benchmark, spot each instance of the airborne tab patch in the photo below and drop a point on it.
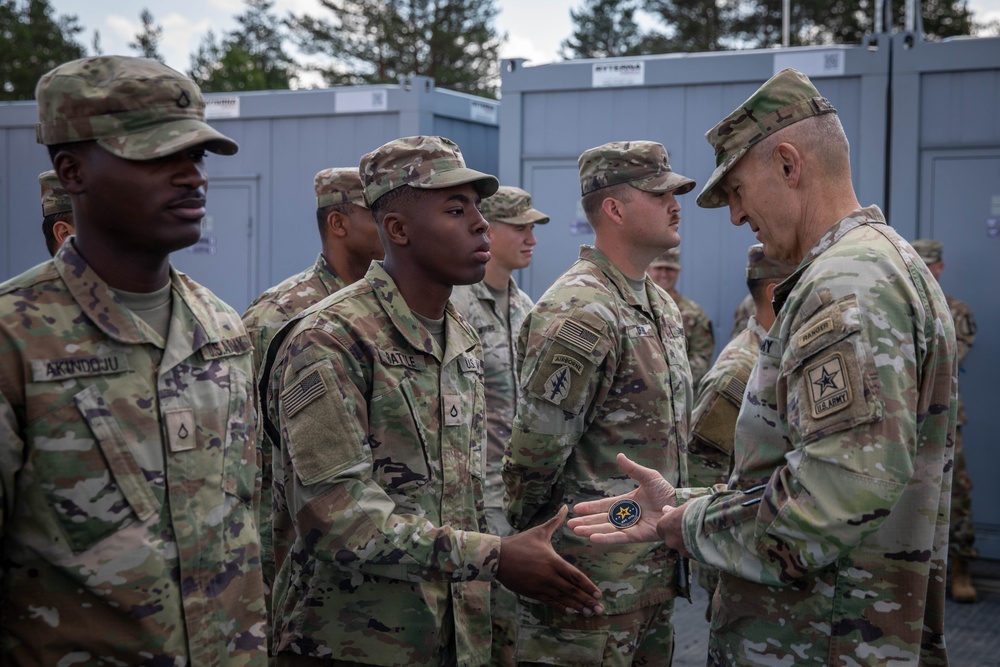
(566, 360)
(829, 385)
(302, 393)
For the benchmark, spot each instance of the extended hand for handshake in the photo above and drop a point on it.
(660, 518)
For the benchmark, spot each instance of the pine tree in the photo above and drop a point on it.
(377, 41)
(252, 57)
(33, 41)
(147, 41)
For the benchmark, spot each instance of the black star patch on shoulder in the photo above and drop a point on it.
(829, 386)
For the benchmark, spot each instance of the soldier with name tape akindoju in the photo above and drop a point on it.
(129, 469)
(832, 533)
(603, 370)
(374, 402)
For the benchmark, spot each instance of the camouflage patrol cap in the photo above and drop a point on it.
(512, 206)
(786, 98)
(135, 108)
(671, 259)
(930, 251)
(339, 185)
(424, 162)
(55, 199)
(760, 267)
(641, 164)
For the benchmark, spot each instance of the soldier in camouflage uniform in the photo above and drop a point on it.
(604, 369)
(664, 270)
(129, 472)
(496, 308)
(832, 532)
(57, 211)
(741, 316)
(720, 394)
(374, 400)
(350, 242)
(962, 531)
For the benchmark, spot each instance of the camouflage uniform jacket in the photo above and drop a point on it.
(716, 405)
(280, 303)
(965, 335)
(130, 482)
(832, 536)
(699, 336)
(498, 333)
(599, 375)
(379, 526)
(263, 319)
(741, 315)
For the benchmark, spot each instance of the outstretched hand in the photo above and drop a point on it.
(530, 566)
(653, 495)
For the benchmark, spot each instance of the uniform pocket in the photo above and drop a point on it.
(241, 463)
(94, 484)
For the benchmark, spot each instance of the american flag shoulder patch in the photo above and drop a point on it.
(578, 335)
(302, 393)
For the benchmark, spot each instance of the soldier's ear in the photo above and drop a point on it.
(68, 164)
(335, 224)
(62, 230)
(614, 210)
(396, 228)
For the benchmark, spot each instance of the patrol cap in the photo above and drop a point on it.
(786, 98)
(760, 267)
(55, 199)
(671, 259)
(641, 164)
(930, 251)
(512, 206)
(424, 162)
(135, 108)
(339, 185)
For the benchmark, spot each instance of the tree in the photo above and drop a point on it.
(693, 25)
(378, 41)
(147, 42)
(32, 42)
(252, 57)
(603, 28)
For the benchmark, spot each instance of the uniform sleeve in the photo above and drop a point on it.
(11, 440)
(326, 461)
(567, 367)
(701, 344)
(849, 385)
(965, 331)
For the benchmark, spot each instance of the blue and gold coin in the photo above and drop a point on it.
(624, 514)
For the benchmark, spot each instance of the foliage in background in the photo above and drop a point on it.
(33, 40)
(379, 41)
(147, 40)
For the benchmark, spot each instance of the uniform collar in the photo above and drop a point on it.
(331, 281)
(459, 335)
(871, 215)
(621, 283)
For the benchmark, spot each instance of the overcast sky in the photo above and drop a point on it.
(534, 28)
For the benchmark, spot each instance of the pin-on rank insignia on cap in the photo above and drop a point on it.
(512, 206)
(424, 162)
(641, 164)
(786, 98)
(135, 108)
(339, 185)
(930, 250)
(760, 267)
(624, 514)
(671, 259)
(55, 199)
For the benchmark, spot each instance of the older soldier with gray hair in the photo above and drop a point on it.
(832, 531)
(604, 369)
(374, 401)
(129, 470)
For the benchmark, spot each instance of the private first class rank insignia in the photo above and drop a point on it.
(624, 514)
